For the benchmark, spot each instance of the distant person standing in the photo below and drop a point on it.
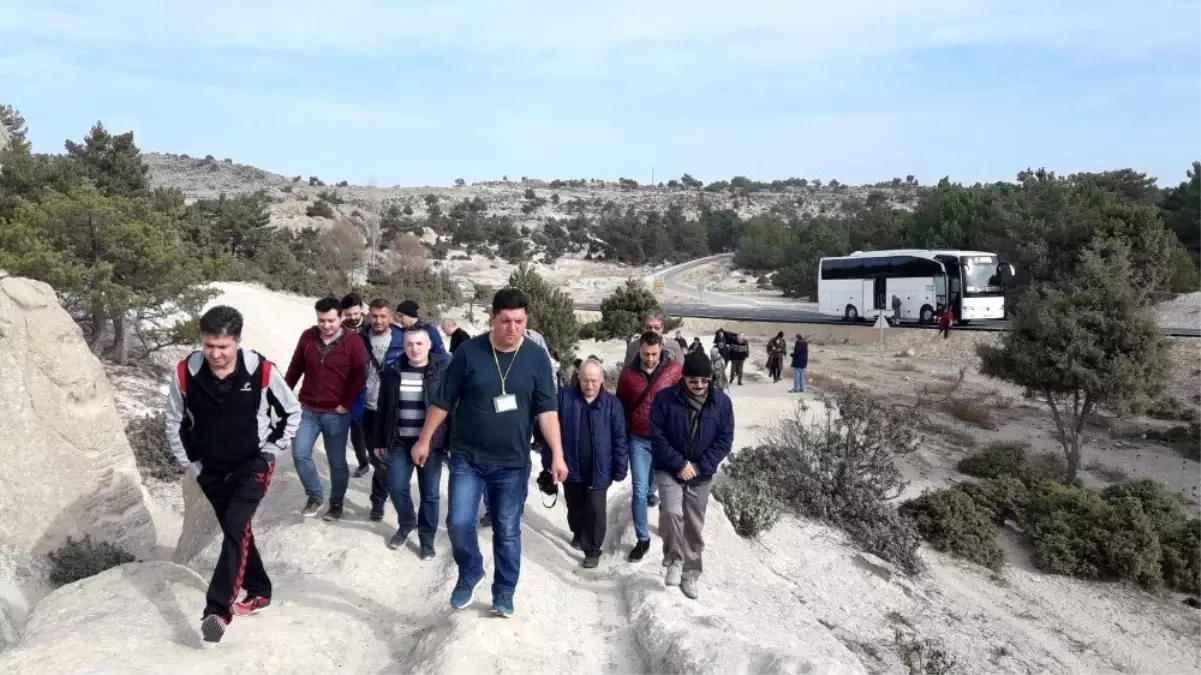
(406, 388)
(592, 430)
(637, 385)
(653, 322)
(775, 356)
(681, 341)
(333, 364)
(220, 427)
(896, 310)
(456, 334)
(498, 385)
(692, 431)
(800, 361)
(406, 317)
(720, 380)
(738, 351)
(384, 342)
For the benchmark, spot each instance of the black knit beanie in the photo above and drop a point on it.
(697, 364)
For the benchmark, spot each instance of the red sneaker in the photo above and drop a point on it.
(251, 604)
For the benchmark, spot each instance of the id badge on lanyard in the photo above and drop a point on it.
(506, 402)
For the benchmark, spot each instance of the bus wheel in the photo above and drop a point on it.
(927, 314)
(851, 313)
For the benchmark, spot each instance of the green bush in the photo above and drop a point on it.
(148, 438)
(954, 522)
(1182, 557)
(749, 505)
(82, 558)
(1004, 498)
(840, 470)
(1003, 458)
(1074, 531)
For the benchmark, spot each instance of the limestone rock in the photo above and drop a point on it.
(65, 465)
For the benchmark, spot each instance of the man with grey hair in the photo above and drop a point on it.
(653, 321)
(457, 335)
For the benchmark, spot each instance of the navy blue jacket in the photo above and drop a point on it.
(610, 450)
(671, 444)
(800, 354)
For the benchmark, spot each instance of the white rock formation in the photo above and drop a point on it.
(65, 465)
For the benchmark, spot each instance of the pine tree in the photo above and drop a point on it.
(551, 312)
(114, 163)
(622, 311)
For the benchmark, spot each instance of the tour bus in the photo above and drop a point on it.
(862, 285)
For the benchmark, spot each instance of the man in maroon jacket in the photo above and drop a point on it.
(648, 374)
(333, 363)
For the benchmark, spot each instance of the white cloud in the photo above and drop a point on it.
(620, 36)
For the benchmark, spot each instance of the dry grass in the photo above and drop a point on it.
(976, 410)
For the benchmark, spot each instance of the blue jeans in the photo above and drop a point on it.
(798, 379)
(506, 488)
(334, 429)
(400, 477)
(642, 476)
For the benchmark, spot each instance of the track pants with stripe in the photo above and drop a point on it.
(235, 498)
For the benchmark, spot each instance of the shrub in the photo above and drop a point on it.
(748, 504)
(1005, 458)
(954, 522)
(974, 411)
(841, 470)
(1182, 557)
(622, 311)
(148, 438)
(82, 558)
(1076, 532)
(320, 209)
(1004, 498)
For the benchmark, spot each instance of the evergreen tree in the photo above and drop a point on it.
(114, 163)
(551, 312)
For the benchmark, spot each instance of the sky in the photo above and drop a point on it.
(390, 92)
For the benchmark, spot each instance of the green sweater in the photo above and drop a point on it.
(479, 433)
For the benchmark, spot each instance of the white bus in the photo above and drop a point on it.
(862, 285)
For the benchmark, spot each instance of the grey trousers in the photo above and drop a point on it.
(682, 520)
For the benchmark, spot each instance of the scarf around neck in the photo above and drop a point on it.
(694, 403)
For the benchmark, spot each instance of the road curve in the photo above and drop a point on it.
(734, 308)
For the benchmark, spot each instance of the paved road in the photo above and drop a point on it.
(712, 305)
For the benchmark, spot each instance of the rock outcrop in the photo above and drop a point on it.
(66, 468)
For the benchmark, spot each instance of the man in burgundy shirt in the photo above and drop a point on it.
(333, 362)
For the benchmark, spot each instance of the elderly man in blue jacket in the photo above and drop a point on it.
(593, 430)
(692, 430)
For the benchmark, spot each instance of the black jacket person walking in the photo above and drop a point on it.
(220, 427)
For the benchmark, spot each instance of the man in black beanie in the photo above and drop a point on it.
(406, 317)
(692, 431)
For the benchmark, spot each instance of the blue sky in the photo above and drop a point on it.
(421, 93)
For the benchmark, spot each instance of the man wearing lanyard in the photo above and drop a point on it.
(497, 390)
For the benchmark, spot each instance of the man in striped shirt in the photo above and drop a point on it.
(404, 393)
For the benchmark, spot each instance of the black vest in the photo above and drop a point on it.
(224, 415)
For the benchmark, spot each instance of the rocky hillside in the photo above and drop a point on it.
(529, 202)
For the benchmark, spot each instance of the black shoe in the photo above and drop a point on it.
(377, 509)
(591, 560)
(333, 513)
(639, 550)
(311, 508)
(213, 628)
(652, 500)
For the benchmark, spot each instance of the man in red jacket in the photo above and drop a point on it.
(648, 374)
(333, 362)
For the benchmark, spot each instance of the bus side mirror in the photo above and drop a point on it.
(1005, 269)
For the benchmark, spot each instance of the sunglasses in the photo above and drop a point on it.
(696, 380)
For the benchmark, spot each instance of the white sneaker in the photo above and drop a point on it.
(674, 572)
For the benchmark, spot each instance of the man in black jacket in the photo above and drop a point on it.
(219, 426)
(405, 390)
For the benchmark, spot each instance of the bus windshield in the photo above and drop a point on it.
(980, 276)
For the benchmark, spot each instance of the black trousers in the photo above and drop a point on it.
(775, 366)
(235, 497)
(586, 515)
(379, 477)
(736, 371)
(359, 440)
